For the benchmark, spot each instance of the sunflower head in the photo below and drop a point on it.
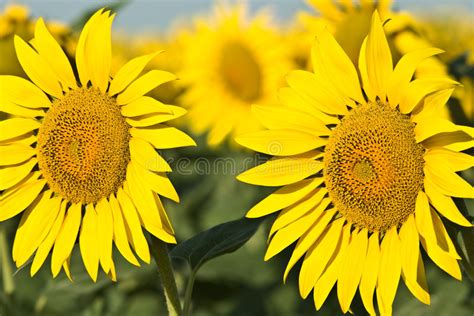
(244, 64)
(367, 165)
(78, 157)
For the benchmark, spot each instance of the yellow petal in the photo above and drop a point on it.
(448, 182)
(144, 84)
(157, 182)
(291, 99)
(455, 141)
(416, 90)
(445, 205)
(362, 64)
(145, 155)
(404, 70)
(38, 225)
(98, 53)
(143, 106)
(21, 91)
(432, 105)
(289, 234)
(281, 171)
(128, 72)
(164, 137)
(25, 139)
(443, 241)
(351, 269)
(66, 238)
(280, 142)
(419, 287)
(410, 248)
(15, 154)
(120, 232)
(112, 274)
(12, 175)
(330, 59)
(156, 118)
(368, 279)
(20, 199)
(37, 69)
(284, 197)
(18, 110)
(15, 127)
(315, 260)
(442, 259)
(132, 222)
(378, 58)
(313, 88)
(104, 233)
(67, 268)
(327, 280)
(454, 160)
(390, 269)
(297, 210)
(52, 53)
(273, 117)
(47, 244)
(88, 242)
(82, 62)
(320, 241)
(423, 219)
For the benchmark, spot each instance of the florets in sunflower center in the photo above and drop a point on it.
(374, 167)
(83, 146)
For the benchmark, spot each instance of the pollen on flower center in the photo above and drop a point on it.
(83, 146)
(374, 167)
(240, 71)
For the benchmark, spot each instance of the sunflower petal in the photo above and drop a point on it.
(88, 242)
(281, 171)
(120, 232)
(419, 287)
(47, 244)
(289, 234)
(21, 91)
(144, 154)
(284, 197)
(128, 72)
(164, 137)
(442, 259)
(37, 69)
(448, 182)
(49, 49)
(362, 65)
(351, 269)
(410, 248)
(104, 233)
(15, 154)
(157, 182)
(369, 274)
(432, 126)
(454, 160)
(15, 127)
(378, 58)
(66, 238)
(20, 199)
(12, 175)
(280, 142)
(144, 84)
(156, 118)
(132, 221)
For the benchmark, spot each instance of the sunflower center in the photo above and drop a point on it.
(83, 146)
(374, 167)
(240, 72)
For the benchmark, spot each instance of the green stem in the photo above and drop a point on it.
(8, 283)
(188, 294)
(165, 271)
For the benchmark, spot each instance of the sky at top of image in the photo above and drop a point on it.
(140, 16)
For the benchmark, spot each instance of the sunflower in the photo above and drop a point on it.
(228, 64)
(366, 170)
(79, 156)
(349, 22)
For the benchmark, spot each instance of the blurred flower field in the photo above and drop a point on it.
(238, 65)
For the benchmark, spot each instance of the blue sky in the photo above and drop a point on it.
(146, 15)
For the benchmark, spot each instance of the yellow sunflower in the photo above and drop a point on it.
(79, 156)
(228, 64)
(366, 170)
(349, 22)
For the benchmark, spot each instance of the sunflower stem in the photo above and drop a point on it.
(165, 271)
(8, 283)
(188, 294)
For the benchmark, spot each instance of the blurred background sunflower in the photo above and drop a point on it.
(240, 283)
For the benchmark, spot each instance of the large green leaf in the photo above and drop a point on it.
(219, 240)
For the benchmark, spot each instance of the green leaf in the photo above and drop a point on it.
(217, 241)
